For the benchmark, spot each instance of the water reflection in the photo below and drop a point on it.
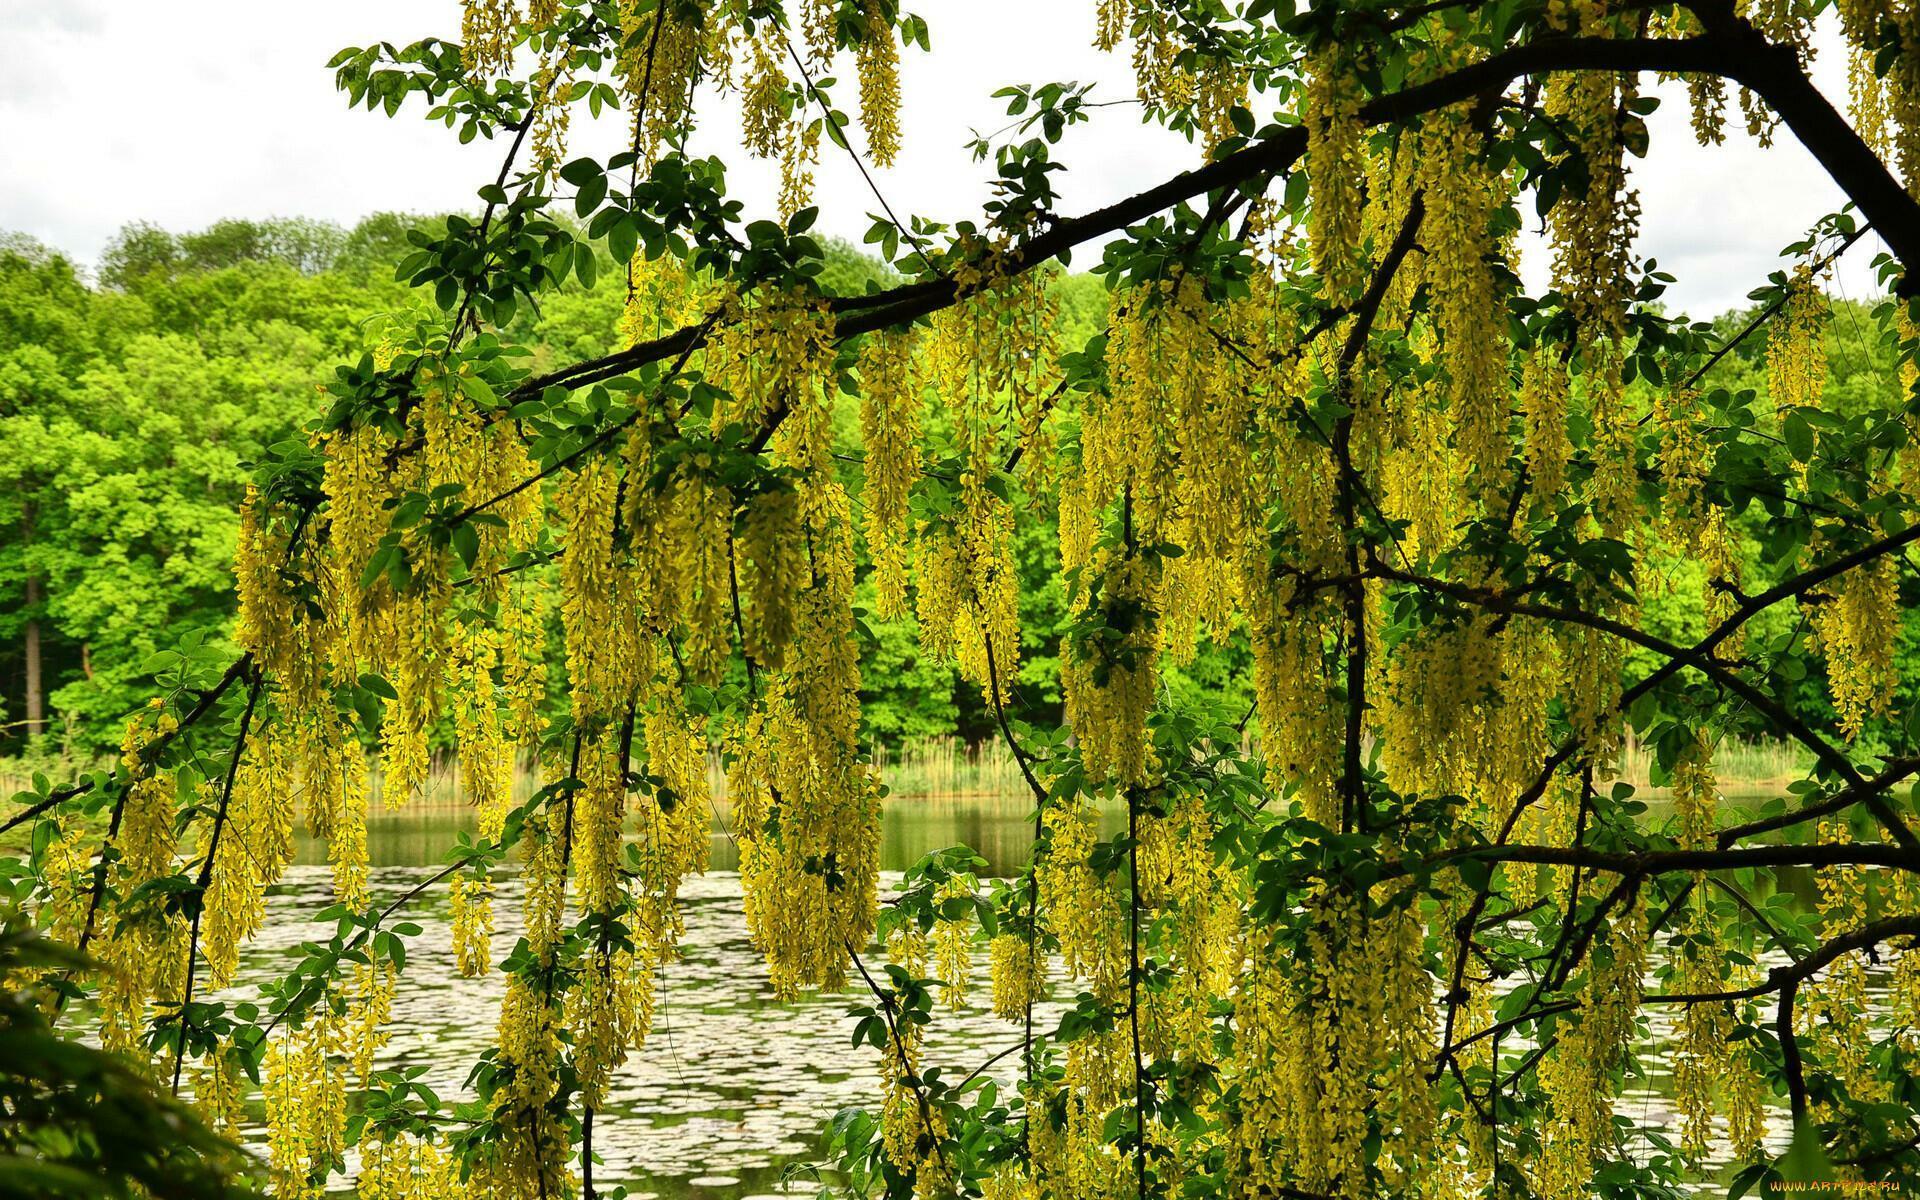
(732, 1085)
(999, 827)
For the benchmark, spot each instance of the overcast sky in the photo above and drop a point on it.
(186, 112)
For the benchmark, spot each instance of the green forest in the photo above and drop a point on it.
(134, 403)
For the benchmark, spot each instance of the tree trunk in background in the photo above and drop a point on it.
(36, 698)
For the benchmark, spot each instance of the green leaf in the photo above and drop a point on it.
(589, 195)
(466, 543)
(580, 170)
(1798, 435)
(622, 237)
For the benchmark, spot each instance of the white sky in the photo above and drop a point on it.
(182, 113)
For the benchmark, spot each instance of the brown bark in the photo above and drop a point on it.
(36, 699)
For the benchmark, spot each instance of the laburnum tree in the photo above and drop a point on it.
(1411, 944)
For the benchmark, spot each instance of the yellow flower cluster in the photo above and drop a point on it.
(764, 127)
(1796, 345)
(1174, 437)
(370, 1004)
(334, 770)
(671, 819)
(1705, 1063)
(1081, 908)
(1321, 1046)
(612, 1015)
(952, 940)
(552, 114)
(967, 602)
(987, 357)
(523, 669)
(597, 608)
(268, 625)
(1171, 70)
(1293, 676)
(1336, 169)
(306, 1105)
(1692, 526)
(255, 846)
(1581, 1081)
(480, 725)
(142, 952)
(1110, 677)
(1181, 883)
(1857, 629)
(1544, 392)
(908, 1136)
(69, 879)
(1110, 22)
(471, 915)
(1018, 971)
(890, 422)
(1466, 711)
(406, 1167)
(487, 34)
(529, 1157)
(1833, 1014)
(661, 55)
(1904, 997)
(805, 802)
(1696, 794)
(1591, 684)
(1708, 96)
(878, 56)
(1462, 193)
(1593, 231)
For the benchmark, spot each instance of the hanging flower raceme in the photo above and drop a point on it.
(879, 66)
(984, 362)
(1336, 167)
(141, 947)
(1796, 346)
(1461, 195)
(1110, 670)
(1580, 1084)
(1857, 629)
(890, 427)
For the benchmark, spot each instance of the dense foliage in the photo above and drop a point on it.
(133, 408)
(1408, 946)
(81, 1122)
(130, 413)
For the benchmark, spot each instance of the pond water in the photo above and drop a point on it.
(733, 1086)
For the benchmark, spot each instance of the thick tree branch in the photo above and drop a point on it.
(1734, 50)
(1701, 660)
(1662, 862)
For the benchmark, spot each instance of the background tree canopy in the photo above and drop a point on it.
(1311, 566)
(134, 409)
(112, 589)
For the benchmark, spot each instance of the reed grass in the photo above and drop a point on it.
(1741, 767)
(950, 768)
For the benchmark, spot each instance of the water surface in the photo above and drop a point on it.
(733, 1086)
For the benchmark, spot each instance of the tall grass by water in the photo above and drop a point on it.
(1742, 768)
(950, 767)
